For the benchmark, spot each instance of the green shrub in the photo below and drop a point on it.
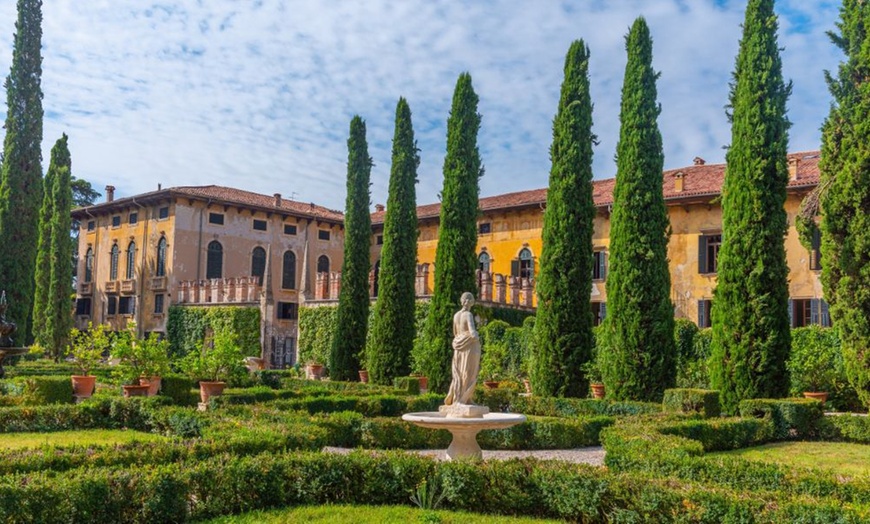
(179, 388)
(509, 400)
(794, 418)
(850, 428)
(816, 364)
(38, 390)
(701, 401)
(407, 385)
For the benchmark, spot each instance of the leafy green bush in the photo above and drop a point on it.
(793, 418)
(186, 327)
(180, 389)
(850, 428)
(217, 364)
(97, 413)
(816, 364)
(507, 400)
(407, 385)
(702, 401)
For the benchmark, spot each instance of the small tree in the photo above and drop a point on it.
(638, 358)
(563, 328)
(393, 328)
(88, 347)
(353, 303)
(751, 332)
(455, 257)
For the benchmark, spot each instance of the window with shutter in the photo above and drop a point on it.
(288, 273)
(214, 266)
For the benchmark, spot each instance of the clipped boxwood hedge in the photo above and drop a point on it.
(701, 401)
(793, 418)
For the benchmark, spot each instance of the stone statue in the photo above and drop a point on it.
(6, 328)
(466, 359)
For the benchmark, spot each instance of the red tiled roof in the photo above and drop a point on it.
(225, 195)
(698, 181)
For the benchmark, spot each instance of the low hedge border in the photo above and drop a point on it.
(701, 401)
(792, 418)
(225, 484)
(36, 390)
(512, 401)
(847, 428)
(97, 413)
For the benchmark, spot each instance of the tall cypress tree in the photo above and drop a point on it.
(353, 304)
(751, 334)
(21, 174)
(845, 169)
(42, 271)
(58, 319)
(563, 329)
(392, 337)
(455, 258)
(639, 357)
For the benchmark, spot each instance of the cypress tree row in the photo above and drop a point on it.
(42, 271)
(845, 170)
(751, 333)
(58, 317)
(393, 332)
(563, 326)
(21, 173)
(455, 258)
(639, 357)
(353, 303)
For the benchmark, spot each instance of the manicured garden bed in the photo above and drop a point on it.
(839, 457)
(345, 514)
(82, 438)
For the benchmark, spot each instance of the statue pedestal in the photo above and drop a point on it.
(463, 411)
(464, 429)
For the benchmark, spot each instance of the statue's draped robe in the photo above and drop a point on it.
(466, 360)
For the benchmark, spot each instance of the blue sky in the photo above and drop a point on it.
(258, 94)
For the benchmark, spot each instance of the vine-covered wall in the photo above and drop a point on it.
(186, 327)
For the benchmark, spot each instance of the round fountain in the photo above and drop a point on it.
(6, 330)
(463, 419)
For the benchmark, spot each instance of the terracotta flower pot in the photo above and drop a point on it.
(314, 371)
(597, 390)
(490, 384)
(821, 396)
(364, 376)
(210, 389)
(153, 384)
(424, 383)
(83, 385)
(528, 385)
(135, 391)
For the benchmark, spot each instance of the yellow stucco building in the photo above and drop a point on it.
(509, 242)
(203, 245)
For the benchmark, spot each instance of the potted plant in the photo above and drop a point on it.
(815, 364)
(155, 357)
(314, 370)
(212, 367)
(424, 381)
(593, 374)
(87, 349)
(364, 376)
(130, 363)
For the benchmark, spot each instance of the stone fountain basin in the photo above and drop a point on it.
(464, 429)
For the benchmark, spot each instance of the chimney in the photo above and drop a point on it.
(678, 180)
(379, 208)
(698, 161)
(110, 193)
(793, 168)
(277, 199)
(159, 186)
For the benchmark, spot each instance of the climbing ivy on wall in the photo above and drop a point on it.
(186, 327)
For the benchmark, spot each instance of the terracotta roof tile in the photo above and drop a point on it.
(698, 180)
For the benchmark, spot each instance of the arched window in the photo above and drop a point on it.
(527, 263)
(161, 257)
(323, 264)
(214, 264)
(288, 273)
(89, 265)
(113, 262)
(258, 263)
(483, 262)
(131, 261)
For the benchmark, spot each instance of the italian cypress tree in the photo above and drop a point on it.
(353, 303)
(58, 317)
(639, 357)
(455, 258)
(845, 169)
(42, 271)
(21, 174)
(392, 337)
(751, 334)
(563, 328)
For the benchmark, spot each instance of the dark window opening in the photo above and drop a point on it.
(113, 262)
(133, 218)
(809, 311)
(158, 304)
(323, 234)
(126, 306)
(377, 275)
(289, 229)
(816, 251)
(112, 306)
(483, 262)
(89, 265)
(379, 240)
(288, 310)
(216, 218)
(599, 265)
(259, 225)
(258, 263)
(323, 264)
(92, 225)
(705, 320)
(288, 273)
(83, 307)
(161, 257)
(131, 261)
(524, 265)
(484, 228)
(116, 221)
(708, 253)
(214, 266)
(599, 313)
(163, 212)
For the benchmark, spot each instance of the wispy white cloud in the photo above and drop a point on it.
(259, 95)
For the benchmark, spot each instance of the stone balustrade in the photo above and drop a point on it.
(219, 291)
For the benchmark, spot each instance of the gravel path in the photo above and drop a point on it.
(592, 455)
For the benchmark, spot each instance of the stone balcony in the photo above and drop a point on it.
(219, 291)
(157, 283)
(128, 287)
(112, 286)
